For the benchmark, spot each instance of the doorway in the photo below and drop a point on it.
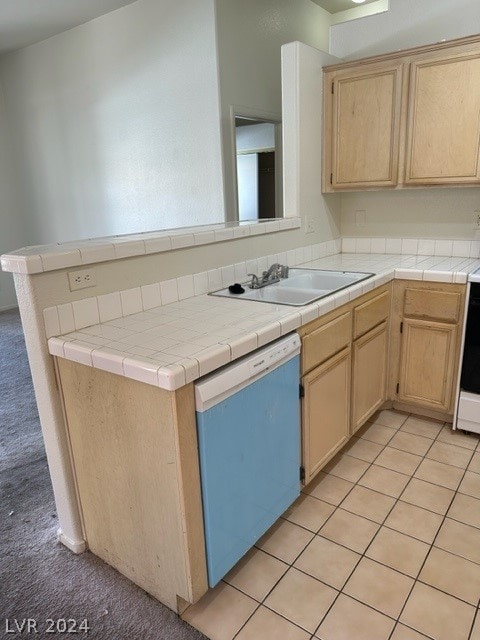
(258, 168)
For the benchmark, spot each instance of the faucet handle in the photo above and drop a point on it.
(254, 283)
(272, 271)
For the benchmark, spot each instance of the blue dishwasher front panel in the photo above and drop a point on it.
(249, 461)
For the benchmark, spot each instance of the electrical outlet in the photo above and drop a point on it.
(309, 225)
(360, 217)
(82, 279)
(476, 219)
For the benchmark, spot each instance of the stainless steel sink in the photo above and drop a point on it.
(302, 286)
(323, 280)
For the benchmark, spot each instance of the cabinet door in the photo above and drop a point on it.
(427, 363)
(366, 124)
(369, 374)
(444, 121)
(325, 412)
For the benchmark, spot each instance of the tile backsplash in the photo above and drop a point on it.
(413, 246)
(74, 316)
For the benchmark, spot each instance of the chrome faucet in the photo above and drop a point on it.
(255, 284)
(274, 274)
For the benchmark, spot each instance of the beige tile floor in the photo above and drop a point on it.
(383, 545)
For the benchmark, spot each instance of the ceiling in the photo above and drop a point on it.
(334, 6)
(24, 22)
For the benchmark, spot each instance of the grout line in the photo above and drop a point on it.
(383, 524)
(412, 629)
(427, 584)
(318, 533)
(347, 595)
(308, 544)
(473, 622)
(431, 547)
(362, 555)
(289, 566)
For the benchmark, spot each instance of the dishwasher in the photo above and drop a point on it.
(248, 426)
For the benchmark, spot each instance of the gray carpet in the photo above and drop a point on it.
(39, 577)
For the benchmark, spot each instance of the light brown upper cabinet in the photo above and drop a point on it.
(444, 121)
(404, 119)
(365, 127)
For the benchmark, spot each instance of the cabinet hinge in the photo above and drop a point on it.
(302, 474)
(301, 391)
(333, 88)
(398, 387)
(331, 178)
(401, 327)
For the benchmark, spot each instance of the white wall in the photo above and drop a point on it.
(116, 123)
(444, 213)
(360, 11)
(250, 34)
(255, 137)
(251, 138)
(412, 213)
(302, 89)
(407, 23)
(12, 232)
(247, 178)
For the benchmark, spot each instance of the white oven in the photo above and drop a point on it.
(467, 416)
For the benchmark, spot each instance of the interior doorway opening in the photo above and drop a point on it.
(258, 168)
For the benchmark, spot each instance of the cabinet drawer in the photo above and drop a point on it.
(370, 313)
(326, 341)
(434, 305)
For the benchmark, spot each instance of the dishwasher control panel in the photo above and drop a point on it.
(275, 353)
(225, 381)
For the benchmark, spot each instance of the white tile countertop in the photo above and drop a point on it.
(171, 345)
(62, 255)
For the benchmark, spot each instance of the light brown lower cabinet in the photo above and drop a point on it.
(135, 457)
(424, 356)
(325, 411)
(427, 363)
(134, 447)
(369, 374)
(344, 368)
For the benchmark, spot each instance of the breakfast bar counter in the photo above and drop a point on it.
(173, 344)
